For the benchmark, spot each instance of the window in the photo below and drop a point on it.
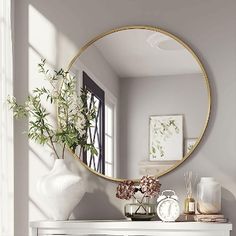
(96, 97)
(102, 132)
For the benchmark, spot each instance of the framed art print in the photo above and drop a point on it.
(166, 137)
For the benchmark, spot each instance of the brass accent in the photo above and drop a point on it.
(151, 28)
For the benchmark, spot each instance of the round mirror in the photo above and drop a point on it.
(152, 99)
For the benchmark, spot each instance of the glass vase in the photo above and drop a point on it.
(140, 210)
(208, 196)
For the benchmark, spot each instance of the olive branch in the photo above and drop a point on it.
(74, 117)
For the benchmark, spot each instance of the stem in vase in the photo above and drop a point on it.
(141, 204)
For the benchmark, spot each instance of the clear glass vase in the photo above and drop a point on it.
(208, 196)
(140, 210)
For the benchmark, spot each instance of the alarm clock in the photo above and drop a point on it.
(168, 208)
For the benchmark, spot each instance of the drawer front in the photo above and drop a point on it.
(131, 233)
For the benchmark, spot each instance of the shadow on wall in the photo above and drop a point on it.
(39, 208)
(99, 201)
(93, 205)
(229, 206)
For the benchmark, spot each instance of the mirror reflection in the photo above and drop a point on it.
(152, 102)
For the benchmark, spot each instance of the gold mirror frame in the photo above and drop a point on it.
(151, 28)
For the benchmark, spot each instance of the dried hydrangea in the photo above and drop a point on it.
(150, 186)
(125, 190)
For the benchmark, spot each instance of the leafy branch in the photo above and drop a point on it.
(74, 118)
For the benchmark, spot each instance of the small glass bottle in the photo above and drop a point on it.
(189, 205)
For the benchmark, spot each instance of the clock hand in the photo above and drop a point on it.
(169, 208)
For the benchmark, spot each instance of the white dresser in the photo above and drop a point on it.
(125, 228)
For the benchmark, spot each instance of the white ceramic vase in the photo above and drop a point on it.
(60, 189)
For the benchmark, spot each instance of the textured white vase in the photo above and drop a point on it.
(60, 189)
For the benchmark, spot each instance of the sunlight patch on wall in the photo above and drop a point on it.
(67, 50)
(42, 35)
(37, 80)
(47, 41)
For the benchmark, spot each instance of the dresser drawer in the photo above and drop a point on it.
(129, 228)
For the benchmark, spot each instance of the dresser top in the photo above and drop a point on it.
(125, 224)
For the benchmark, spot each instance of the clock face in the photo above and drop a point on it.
(168, 210)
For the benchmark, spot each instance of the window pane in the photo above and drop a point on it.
(109, 149)
(109, 171)
(109, 142)
(109, 121)
(106, 118)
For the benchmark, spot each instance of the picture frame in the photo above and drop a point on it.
(189, 144)
(165, 137)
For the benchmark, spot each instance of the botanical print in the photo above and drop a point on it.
(166, 137)
(189, 144)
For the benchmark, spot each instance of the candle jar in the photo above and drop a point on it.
(208, 196)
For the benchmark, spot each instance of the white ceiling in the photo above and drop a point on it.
(130, 55)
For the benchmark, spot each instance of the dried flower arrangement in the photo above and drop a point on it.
(141, 210)
(149, 186)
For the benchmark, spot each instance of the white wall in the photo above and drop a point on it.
(58, 28)
(141, 98)
(95, 65)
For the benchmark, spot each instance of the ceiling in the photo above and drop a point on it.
(145, 53)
